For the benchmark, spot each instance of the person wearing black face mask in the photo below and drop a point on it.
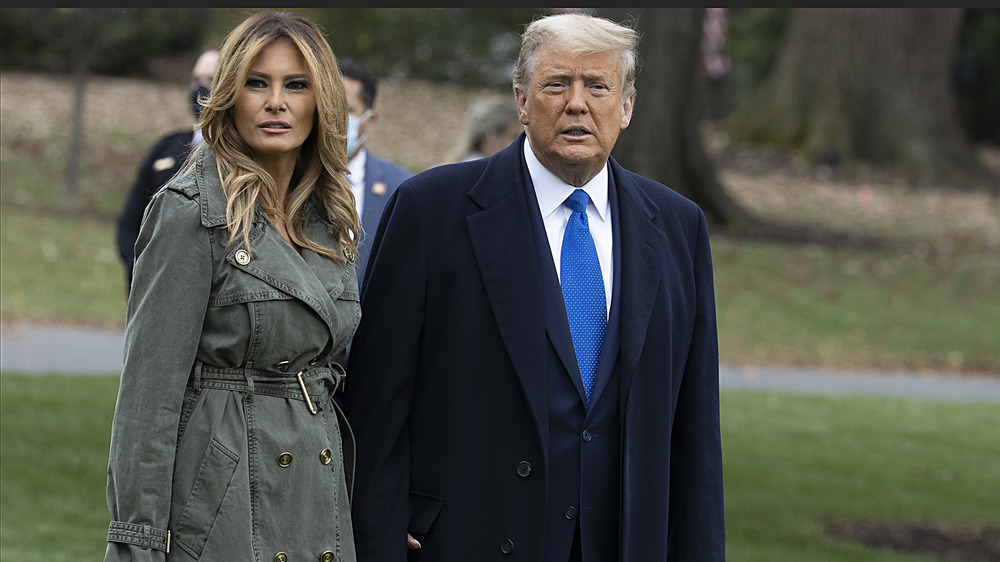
(163, 160)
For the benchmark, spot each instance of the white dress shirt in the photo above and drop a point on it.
(551, 192)
(356, 166)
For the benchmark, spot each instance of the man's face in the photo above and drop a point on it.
(357, 108)
(573, 111)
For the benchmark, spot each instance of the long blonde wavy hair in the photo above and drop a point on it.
(319, 177)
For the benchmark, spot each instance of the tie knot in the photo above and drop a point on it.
(577, 201)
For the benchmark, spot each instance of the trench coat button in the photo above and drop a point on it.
(327, 557)
(313, 361)
(523, 469)
(587, 435)
(242, 257)
(507, 546)
(570, 513)
(325, 456)
(349, 254)
(281, 557)
(284, 459)
(282, 365)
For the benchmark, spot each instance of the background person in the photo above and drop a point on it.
(516, 414)
(161, 163)
(491, 123)
(226, 442)
(373, 179)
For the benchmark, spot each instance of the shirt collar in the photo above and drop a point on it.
(552, 191)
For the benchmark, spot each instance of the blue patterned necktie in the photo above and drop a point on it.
(583, 289)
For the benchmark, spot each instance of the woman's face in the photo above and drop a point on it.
(276, 108)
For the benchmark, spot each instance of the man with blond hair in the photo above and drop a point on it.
(535, 375)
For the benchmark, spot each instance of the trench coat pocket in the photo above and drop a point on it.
(203, 506)
(425, 510)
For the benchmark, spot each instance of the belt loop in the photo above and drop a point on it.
(249, 376)
(196, 383)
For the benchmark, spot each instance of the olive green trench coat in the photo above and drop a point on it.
(227, 443)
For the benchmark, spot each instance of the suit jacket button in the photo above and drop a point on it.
(523, 469)
(570, 513)
(587, 436)
(507, 546)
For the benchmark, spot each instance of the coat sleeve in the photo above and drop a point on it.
(696, 500)
(382, 366)
(166, 310)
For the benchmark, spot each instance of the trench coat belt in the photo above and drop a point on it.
(315, 385)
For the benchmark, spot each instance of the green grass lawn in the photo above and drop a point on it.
(792, 464)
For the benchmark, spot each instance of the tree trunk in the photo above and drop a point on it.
(664, 142)
(867, 86)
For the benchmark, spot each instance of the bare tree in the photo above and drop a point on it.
(867, 86)
(664, 140)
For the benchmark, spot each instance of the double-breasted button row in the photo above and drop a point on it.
(325, 457)
(283, 365)
(327, 556)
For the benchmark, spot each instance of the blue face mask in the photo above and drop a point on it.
(354, 140)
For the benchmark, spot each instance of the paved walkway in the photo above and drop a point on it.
(41, 348)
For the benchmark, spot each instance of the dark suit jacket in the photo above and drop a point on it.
(448, 393)
(382, 177)
(160, 164)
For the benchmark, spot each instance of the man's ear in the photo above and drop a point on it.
(627, 107)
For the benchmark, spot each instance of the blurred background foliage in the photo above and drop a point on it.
(463, 46)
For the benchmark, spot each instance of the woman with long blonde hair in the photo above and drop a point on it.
(227, 442)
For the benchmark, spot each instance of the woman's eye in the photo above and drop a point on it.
(256, 83)
(297, 85)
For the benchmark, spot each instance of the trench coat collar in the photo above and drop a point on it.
(271, 259)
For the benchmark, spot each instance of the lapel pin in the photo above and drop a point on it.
(378, 188)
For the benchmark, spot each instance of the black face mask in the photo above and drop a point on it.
(197, 91)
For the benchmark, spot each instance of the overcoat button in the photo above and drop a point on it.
(284, 459)
(242, 257)
(587, 436)
(523, 469)
(349, 254)
(282, 365)
(570, 513)
(325, 456)
(507, 546)
(281, 557)
(327, 557)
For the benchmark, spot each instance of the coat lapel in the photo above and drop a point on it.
(271, 259)
(501, 235)
(644, 250)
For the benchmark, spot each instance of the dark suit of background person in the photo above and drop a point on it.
(464, 394)
(160, 164)
(373, 179)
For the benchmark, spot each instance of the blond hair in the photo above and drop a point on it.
(577, 33)
(319, 177)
